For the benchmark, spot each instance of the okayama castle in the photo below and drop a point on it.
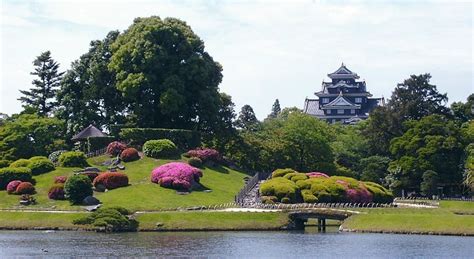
(344, 99)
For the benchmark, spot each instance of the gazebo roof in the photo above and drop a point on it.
(89, 132)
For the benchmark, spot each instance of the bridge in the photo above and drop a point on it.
(298, 218)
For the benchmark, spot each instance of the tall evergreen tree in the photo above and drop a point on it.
(276, 109)
(247, 119)
(41, 96)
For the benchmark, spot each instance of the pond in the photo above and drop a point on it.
(307, 244)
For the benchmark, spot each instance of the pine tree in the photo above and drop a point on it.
(275, 109)
(41, 96)
(247, 119)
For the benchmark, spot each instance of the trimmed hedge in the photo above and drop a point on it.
(282, 172)
(129, 154)
(56, 192)
(20, 163)
(78, 187)
(113, 219)
(5, 163)
(280, 188)
(159, 148)
(25, 188)
(380, 193)
(185, 139)
(40, 165)
(111, 180)
(73, 159)
(9, 174)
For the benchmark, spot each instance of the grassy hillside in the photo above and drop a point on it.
(141, 194)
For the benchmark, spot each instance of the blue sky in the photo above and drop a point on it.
(268, 49)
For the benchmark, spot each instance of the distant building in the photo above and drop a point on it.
(344, 99)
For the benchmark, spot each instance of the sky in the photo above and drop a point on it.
(268, 49)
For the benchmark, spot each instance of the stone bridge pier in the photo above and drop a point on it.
(299, 218)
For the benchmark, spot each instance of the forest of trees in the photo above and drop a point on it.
(157, 74)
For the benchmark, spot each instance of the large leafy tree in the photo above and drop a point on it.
(41, 96)
(432, 143)
(88, 93)
(411, 100)
(166, 75)
(276, 110)
(29, 135)
(463, 112)
(247, 119)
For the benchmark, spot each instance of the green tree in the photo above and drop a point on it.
(29, 135)
(247, 119)
(275, 110)
(88, 93)
(469, 167)
(374, 168)
(430, 183)
(41, 96)
(349, 146)
(432, 143)
(463, 111)
(165, 74)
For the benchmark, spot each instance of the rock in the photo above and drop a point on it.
(159, 224)
(93, 207)
(24, 202)
(121, 167)
(207, 191)
(91, 169)
(90, 200)
(100, 188)
(182, 192)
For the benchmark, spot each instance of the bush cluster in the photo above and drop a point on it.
(78, 187)
(184, 139)
(37, 164)
(195, 161)
(25, 188)
(5, 163)
(176, 175)
(111, 180)
(56, 192)
(205, 154)
(115, 148)
(11, 187)
(289, 186)
(54, 157)
(73, 159)
(9, 174)
(60, 179)
(159, 148)
(113, 219)
(129, 154)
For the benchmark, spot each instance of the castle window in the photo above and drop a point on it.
(353, 111)
(340, 111)
(325, 100)
(358, 100)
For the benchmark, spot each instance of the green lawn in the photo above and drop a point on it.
(443, 220)
(28, 220)
(213, 220)
(141, 194)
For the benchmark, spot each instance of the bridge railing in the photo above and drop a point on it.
(239, 198)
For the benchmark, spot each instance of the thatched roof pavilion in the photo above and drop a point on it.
(89, 132)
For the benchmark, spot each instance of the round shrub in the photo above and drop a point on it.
(205, 154)
(20, 163)
(40, 165)
(176, 175)
(73, 159)
(317, 174)
(91, 175)
(60, 179)
(56, 192)
(11, 187)
(54, 157)
(77, 187)
(25, 188)
(359, 195)
(295, 176)
(379, 193)
(129, 154)
(115, 148)
(5, 163)
(195, 161)
(111, 180)
(279, 187)
(269, 199)
(9, 174)
(282, 172)
(159, 148)
(308, 197)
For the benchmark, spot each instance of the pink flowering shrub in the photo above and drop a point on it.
(11, 187)
(115, 148)
(176, 175)
(360, 195)
(60, 179)
(317, 174)
(56, 192)
(205, 154)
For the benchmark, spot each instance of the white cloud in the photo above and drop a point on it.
(269, 49)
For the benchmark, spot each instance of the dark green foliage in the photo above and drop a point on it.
(247, 119)
(114, 219)
(373, 168)
(9, 174)
(73, 159)
(159, 148)
(40, 165)
(41, 96)
(78, 187)
(276, 110)
(463, 111)
(185, 139)
(4, 163)
(269, 199)
(281, 188)
(195, 161)
(29, 135)
(469, 167)
(380, 193)
(20, 163)
(430, 183)
(94, 144)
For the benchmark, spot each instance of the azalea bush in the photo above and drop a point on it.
(73, 159)
(129, 154)
(11, 187)
(9, 174)
(317, 174)
(159, 148)
(111, 180)
(282, 172)
(205, 154)
(115, 148)
(60, 179)
(56, 192)
(176, 175)
(25, 188)
(280, 188)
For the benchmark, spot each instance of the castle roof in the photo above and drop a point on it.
(343, 72)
